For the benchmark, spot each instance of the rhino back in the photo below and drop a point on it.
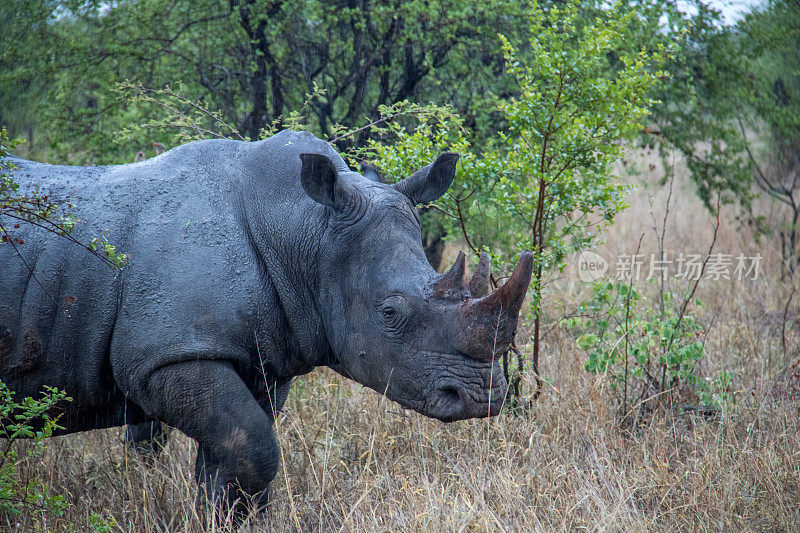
(193, 286)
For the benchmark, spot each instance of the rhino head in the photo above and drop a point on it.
(428, 341)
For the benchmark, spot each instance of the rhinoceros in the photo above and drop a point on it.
(250, 263)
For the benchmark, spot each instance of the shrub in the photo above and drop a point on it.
(649, 354)
(26, 419)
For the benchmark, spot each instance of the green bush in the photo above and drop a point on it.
(26, 419)
(649, 354)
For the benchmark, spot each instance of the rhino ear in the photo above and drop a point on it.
(431, 181)
(321, 181)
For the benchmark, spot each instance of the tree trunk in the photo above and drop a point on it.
(266, 69)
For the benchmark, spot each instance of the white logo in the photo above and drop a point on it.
(591, 266)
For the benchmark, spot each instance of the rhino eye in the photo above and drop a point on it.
(394, 310)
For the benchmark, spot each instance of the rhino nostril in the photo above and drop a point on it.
(450, 394)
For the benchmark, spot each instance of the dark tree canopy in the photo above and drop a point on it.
(255, 61)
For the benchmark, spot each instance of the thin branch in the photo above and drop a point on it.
(628, 329)
(463, 227)
(376, 122)
(779, 193)
(192, 124)
(697, 281)
(56, 230)
(783, 329)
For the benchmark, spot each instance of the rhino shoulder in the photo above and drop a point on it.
(290, 144)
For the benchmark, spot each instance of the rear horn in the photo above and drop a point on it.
(479, 284)
(454, 281)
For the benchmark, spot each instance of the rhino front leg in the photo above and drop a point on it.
(207, 400)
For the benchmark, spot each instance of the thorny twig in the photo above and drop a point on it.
(376, 122)
(180, 98)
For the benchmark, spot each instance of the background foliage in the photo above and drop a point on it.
(547, 102)
(541, 111)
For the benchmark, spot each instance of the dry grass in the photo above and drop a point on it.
(353, 461)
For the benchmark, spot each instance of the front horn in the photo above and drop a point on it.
(486, 326)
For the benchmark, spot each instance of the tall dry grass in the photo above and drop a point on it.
(354, 461)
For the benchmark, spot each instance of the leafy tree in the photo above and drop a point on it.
(26, 500)
(732, 110)
(549, 181)
(649, 353)
(769, 119)
(644, 353)
(255, 61)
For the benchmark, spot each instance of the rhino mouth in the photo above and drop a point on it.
(479, 394)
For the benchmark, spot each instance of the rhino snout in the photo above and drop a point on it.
(458, 399)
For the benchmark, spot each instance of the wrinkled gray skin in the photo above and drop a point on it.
(250, 264)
